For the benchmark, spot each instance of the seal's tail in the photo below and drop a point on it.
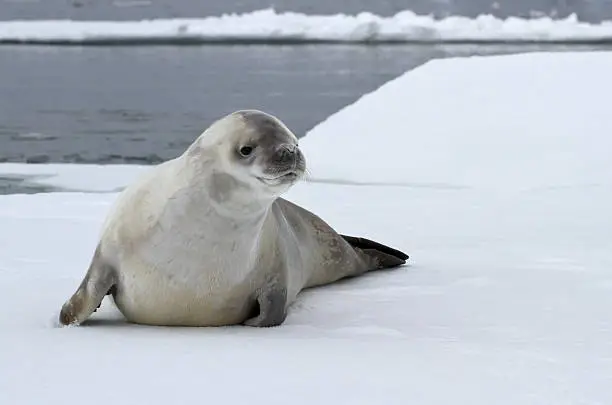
(384, 256)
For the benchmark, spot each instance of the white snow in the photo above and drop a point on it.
(267, 25)
(511, 122)
(75, 177)
(506, 300)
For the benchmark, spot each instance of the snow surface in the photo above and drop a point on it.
(75, 177)
(269, 26)
(506, 299)
(521, 122)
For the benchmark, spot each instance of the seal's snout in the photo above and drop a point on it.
(286, 154)
(286, 164)
(289, 157)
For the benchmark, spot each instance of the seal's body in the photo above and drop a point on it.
(206, 240)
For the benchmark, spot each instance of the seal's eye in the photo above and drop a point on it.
(246, 150)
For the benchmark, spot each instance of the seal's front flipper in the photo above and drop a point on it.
(382, 255)
(270, 308)
(98, 282)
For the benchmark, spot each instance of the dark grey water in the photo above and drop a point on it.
(143, 104)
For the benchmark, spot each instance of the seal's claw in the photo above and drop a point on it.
(67, 316)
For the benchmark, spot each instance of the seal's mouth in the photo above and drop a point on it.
(288, 177)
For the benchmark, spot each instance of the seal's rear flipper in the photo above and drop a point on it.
(385, 256)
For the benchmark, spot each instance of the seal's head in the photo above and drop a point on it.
(257, 150)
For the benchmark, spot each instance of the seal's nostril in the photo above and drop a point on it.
(288, 148)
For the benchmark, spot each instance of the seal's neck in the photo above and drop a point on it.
(224, 202)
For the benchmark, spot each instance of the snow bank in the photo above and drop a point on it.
(269, 26)
(505, 123)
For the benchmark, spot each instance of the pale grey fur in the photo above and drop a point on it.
(206, 240)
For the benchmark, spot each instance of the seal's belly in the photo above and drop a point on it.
(186, 297)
